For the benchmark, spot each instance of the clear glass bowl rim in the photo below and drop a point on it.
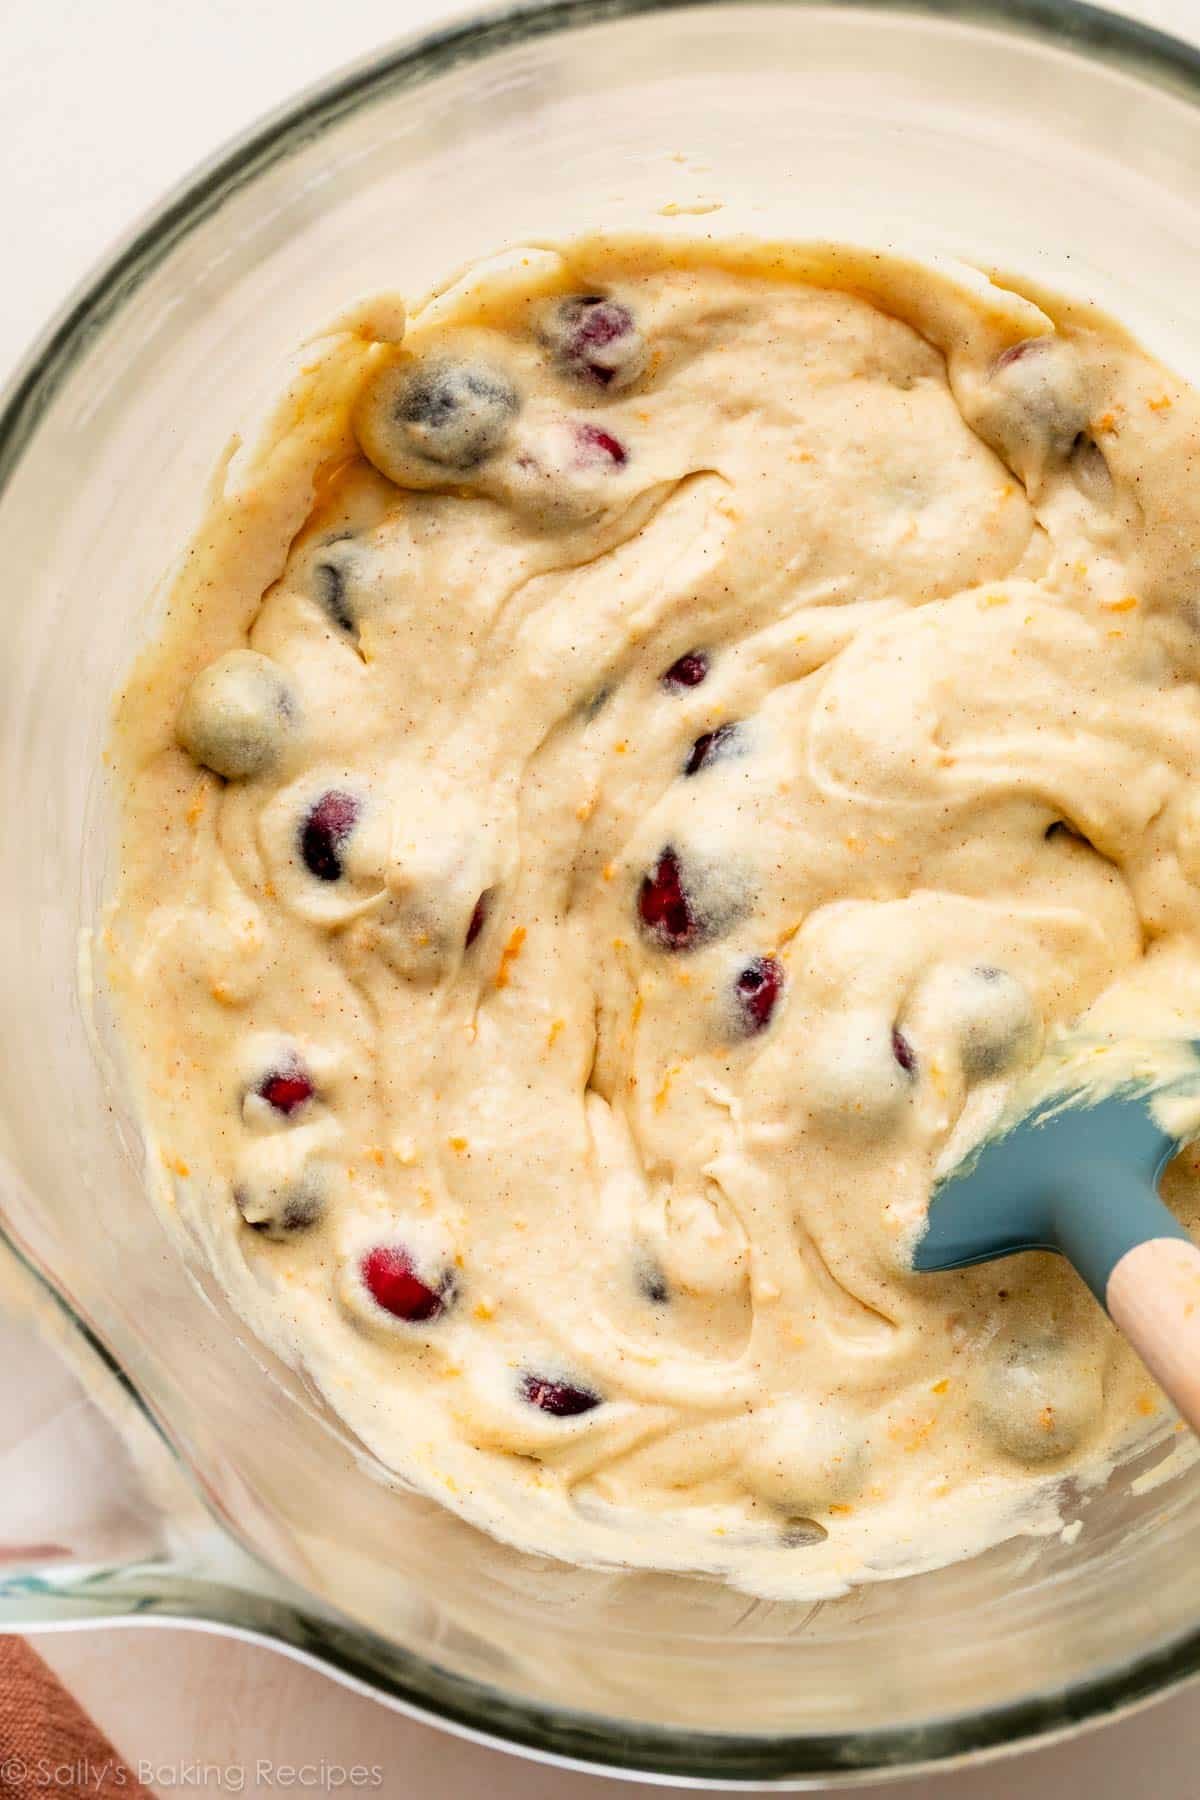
(473, 1709)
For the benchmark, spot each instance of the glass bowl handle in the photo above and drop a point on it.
(97, 1520)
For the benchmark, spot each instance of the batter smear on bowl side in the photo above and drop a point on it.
(634, 763)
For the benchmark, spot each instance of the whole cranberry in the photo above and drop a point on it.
(238, 714)
(595, 340)
(1036, 402)
(331, 582)
(281, 1210)
(1028, 347)
(288, 1087)
(710, 746)
(390, 1277)
(596, 447)
(651, 1282)
(687, 671)
(455, 413)
(757, 990)
(664, 908)
(478, 917)
(560, 1398)
(325, 829)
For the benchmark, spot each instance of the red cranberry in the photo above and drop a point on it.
(708, 746)
(594, 445)
(287, 1088)
(758, 989)
(597, 341)
(324, 832)
(560, 1398)
(903, 1051)
(1018, 352)
(392, 1282)
(687, 672)
(478, 918)
(663, 905)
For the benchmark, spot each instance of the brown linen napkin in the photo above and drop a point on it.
(48, 1745)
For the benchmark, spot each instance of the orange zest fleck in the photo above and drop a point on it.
(911, 1433)
(663, 1094)
(509, 955)
(555, 1032)
(329, 476)
(457, 1144)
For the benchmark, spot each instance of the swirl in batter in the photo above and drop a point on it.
(636, 760)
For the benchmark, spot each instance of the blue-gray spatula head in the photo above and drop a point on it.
(1072, 1163)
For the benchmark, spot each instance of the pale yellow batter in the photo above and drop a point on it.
(633, 764)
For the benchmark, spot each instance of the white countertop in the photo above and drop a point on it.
(102, 107)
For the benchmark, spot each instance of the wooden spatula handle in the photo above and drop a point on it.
(1153, 1296)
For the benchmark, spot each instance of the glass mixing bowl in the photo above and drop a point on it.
(1039, 135)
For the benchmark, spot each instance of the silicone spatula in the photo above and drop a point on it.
(1072, 1164)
